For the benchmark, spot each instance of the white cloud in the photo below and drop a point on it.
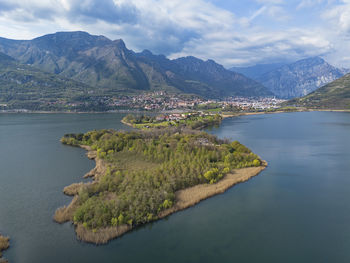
(179, 27)
(258, 46)
(270, 1)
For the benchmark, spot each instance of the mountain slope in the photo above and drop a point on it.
(22, 86)
(300, 78)
(94, 60)
(109, 65)
(256, 71)
(193, 75)
(335, 95)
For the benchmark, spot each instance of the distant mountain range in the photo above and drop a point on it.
(111, 68)
(335, 95)
(256, 71)
(296, 79)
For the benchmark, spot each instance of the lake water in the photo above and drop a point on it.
(297, 210)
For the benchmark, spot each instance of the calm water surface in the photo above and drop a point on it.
(297, 210)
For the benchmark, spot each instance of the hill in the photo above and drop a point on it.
(300, 78)
(295, 79)
(335, 95)
(110, 66)
(23, 86)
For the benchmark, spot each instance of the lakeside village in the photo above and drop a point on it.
(156, 101)
(162, 101)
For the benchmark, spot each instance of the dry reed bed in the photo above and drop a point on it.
(183, 199)
(190, 196)
(4, 244)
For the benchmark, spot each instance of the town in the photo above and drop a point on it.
(152, 101)
(162, 101)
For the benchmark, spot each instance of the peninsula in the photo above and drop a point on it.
(142, 176)
(4, 244)
(192, 120)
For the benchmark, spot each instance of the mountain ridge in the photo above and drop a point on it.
(109, 65)
(255, 71)
(295, 79)
(335, 95)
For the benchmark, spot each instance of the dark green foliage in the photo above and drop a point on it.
(138, 119)
(159, 162)
(194, 121)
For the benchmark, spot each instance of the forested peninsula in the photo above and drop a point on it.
(193, 120)
(141, 176)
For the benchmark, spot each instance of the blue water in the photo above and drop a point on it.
(297, 210)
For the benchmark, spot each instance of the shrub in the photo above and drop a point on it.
(256, 162)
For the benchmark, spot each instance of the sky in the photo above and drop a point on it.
(233, 33)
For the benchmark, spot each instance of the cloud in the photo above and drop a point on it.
(339, 16)
(258, 47)
(270, 1)
(6, 6)
(271, 30)
(105, 10)
(314, 3)
(166, 26)
(27, 11)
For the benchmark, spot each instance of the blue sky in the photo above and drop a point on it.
(233, 33)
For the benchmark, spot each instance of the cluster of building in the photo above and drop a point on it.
(178, 116)
(244, 103)
(156, 101)
(164, 101)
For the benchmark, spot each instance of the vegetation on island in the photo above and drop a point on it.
(146, 168)
(4, 244)
(188, 120)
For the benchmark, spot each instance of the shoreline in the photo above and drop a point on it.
(277, 112)
(258, 113)
(185, 198)
(4, 245)
(167, 111)
(127, 124)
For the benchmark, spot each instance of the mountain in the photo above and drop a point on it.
(193, 75)
(112, 68)
(94, 60)
(23, 86)
(335, 95)
(300, 78)
(256, 71)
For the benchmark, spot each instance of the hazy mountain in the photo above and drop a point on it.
(256, 71)
(23, 85)
(111, 67)
(335, 95)
(300, 78)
